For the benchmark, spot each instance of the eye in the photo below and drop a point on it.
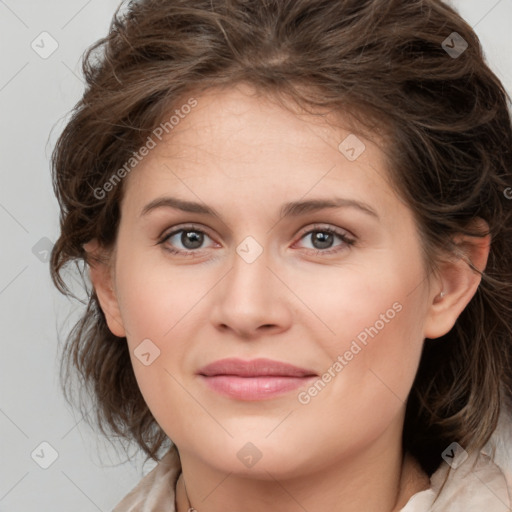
(190, 237)
(323, 237)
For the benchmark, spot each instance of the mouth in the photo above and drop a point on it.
(258, 379)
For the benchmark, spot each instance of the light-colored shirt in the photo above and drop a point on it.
(481, 483)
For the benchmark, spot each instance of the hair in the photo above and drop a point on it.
(384, 62)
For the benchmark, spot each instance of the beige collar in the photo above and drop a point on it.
(479, 484)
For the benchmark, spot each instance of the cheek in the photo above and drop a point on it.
(377, 353)
(156, 316)
(392, 350)
(375, 314)
(161, 305)
(372, 378)
(371, 300)
(154, 296)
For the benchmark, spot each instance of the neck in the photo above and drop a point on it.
(350, 486)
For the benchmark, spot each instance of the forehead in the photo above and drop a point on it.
(235, 141)
(240, 119)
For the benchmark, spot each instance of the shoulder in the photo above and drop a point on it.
(475, 483)
(156, 490)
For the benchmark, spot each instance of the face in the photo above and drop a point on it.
(336, 291)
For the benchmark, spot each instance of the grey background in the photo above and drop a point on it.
(36, 95)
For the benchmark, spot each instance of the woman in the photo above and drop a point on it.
(296, 223)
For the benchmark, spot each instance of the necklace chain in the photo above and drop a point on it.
(190, 507)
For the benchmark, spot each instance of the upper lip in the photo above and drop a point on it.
(254, 368)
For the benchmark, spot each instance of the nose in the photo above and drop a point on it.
(252, 299)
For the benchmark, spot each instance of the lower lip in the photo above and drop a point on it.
(254, 388)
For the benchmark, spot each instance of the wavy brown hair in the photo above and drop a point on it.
(449, 155)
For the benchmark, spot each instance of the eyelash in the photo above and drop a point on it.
(316, 228)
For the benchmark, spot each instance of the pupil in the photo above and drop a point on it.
(192, 237)
(323, 238)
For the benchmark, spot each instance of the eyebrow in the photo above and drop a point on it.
(292, 209)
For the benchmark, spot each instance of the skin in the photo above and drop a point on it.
(245, 156)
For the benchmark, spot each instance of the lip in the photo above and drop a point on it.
(257, 379)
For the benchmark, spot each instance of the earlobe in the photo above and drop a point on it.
(457, 283)
(101, 279)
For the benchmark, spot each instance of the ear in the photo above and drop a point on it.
(100, 272)
(457, 282)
